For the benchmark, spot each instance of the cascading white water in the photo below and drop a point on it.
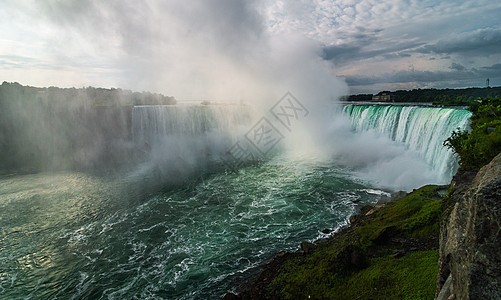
(181, 137)
(177, 141)
(152, 123)
(421, 129)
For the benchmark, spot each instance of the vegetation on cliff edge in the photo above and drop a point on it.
(482, 143)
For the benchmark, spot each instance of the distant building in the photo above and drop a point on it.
(383, 97)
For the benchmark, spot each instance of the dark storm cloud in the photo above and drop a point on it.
(495, 67)
(492, 72)
(341, 52)
(347, 53)
(482, 42)
(391, 56)
(457, 67)
(459, 76)
(475, 43)
(400, 77)
(352, 50)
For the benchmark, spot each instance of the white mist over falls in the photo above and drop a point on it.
(201, 230)
(170, 219)
(393, 147)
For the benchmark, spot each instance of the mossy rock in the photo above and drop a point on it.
(384, 235)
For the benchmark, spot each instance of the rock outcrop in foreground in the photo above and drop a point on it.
(470, 241)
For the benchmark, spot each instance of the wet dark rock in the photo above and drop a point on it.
(398, 253)
(350, 258)
(358, 259)
(307, 247)
(326, 231)
(354, 219)
(471, 236)
(281, 254)
(443, 191)
(384, 235)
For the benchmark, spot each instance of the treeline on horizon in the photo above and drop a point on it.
(88, 95)
(448, 97)
(54, 128)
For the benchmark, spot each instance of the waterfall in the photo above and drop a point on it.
(153, 123)
(183, 137)
(177, 141)
(421, 129)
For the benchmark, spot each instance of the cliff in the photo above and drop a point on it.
(470, 238)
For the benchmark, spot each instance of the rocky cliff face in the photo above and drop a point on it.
(470, 241)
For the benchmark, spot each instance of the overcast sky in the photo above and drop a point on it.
(228, 48)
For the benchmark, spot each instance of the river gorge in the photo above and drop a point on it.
(178, 223)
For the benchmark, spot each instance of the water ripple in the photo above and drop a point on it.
(199, 240)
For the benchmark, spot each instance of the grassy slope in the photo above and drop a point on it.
(391, 253)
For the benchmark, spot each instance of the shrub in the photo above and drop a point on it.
(479, 146)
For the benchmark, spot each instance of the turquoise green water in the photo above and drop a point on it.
(73, 236)
(137, 236)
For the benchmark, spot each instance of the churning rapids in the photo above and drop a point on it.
(74, 235)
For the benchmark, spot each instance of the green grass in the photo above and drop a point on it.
(328, 273)
(416, 215)
(410, 277)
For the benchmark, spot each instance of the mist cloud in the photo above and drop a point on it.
(220, 45)
(236, 50)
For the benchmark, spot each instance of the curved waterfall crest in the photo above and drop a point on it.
(421, 129)
(151, 123)
(195, 134)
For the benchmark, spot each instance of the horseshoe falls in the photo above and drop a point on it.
(201, 230)
(420, 130)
